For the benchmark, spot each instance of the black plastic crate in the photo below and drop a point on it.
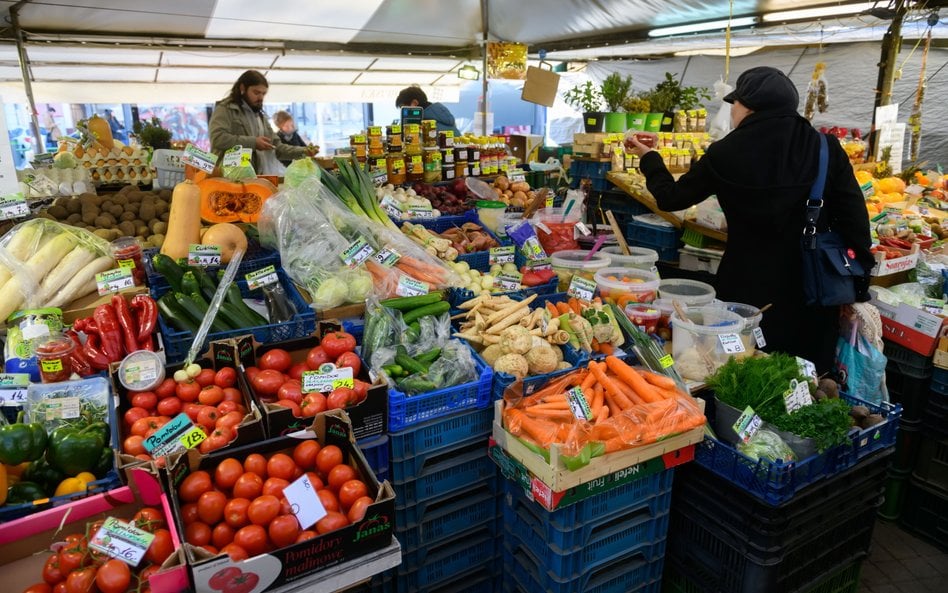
(910, 391)
(909, 363)
(907, 442)
(935, 415)
(932, 462)
(926, 512)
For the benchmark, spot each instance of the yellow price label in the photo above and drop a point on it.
(350, 383)
(192, 438)
(126, 263)
(549, 202)
(666, 361)
(51, 366)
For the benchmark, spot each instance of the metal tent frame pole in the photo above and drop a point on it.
(485, 25)
(25, 73)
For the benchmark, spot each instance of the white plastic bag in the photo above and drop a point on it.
(721, 122)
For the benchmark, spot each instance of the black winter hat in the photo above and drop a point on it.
(763, 89)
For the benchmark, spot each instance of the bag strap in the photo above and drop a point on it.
(814, 202)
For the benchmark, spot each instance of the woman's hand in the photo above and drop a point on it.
(636, 147)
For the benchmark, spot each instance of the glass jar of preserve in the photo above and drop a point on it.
(416, 167)
(432, 163)
(429, 133)
(396, 168)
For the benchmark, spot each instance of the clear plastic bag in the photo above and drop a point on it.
(721, 122)
(766, 444)
(454, 366)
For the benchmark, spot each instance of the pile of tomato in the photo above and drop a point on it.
(210, 399)
(77, 568)
(239, 509)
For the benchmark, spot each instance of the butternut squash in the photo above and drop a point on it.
(223, 200)
(102, 132)
(184, 220)
(229, 237)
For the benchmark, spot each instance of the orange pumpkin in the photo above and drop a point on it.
(223, 200)
(891, 185)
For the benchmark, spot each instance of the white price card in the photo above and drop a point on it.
(327, 378)
(387, 257)
(545, 263)
(420, 211)
(501, 255)
(748, 424)
(13, 206)
(408, 286)
(262, 277)
(581, 227)
(578, 404)
(517, 176)
(508, 281)
(731, 343)
(581, 288)
(797, 396)
(204, 255)
(196, 157)
(62, 408)
(13, 388)
(357, 253)
(121, 540)
(238, 156)
(391, 206)
(304, 502)
(807, 368)
(114, 280)
(759, 337)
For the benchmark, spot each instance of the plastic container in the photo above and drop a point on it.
(696, 342)
(491, 213)
(127, 252)
(621, 286)
(686, 292)
(141, 370)
(643, 316)
(558, 234)
(641, 258)
(752, 317)
(567, 264)
(665, 309)
(508, 219)
(53, 353)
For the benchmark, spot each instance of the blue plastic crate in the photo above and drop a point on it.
(376, 451)
(592, 170)
(486, 578)
(441, 433)
(409, 468)
(456, 296)
(502, 381)
(409, 514)
(409, 410)
(303, 324)
(256, 258)
(940, 381)
(653, 235)
(427, 566)
(442, 223)
(775, 483)
(617, 580)
(666, 254)
(642, 564)
(446, 477)
(445, 518)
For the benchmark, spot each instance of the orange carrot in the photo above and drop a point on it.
(614, 409)
(659, 380)
(633, 379)
(602, 414)
(542, 431)
(629, 393)
(610, 386)
(597, 396)
(573, 304)
(563, 308)
(668, 393)
(552, 309)
(563, 405)
(594, 345)
(589, 381)
(607, 349)
(553, 415)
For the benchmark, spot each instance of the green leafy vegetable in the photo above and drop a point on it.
(827, 422)
(757, 382)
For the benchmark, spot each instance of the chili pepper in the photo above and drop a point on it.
(124, 316)
(148, 343)
(147, 311)
(41, 473)
(76, 448)
(21, 442)
(92, 352)
(110, 331)
(80, 365)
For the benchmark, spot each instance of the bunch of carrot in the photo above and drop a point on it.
(434, 276)
(629, 407)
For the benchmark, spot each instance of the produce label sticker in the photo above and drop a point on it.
(807, 368)
(759, 337)
(549, 201)
(867, 190)
(357, 253)
(581, 288)
(797, 396)
(501, 255)
(408, 286)
(121, 540)
(421, 211)
(380, 177)
(126, 263)
(748, 424)
(517, 176)
(582, 228)
(13, 206)
(731, 343)
(196, 157)
(591, 121)
(388, 257)
(933, 306)
(13, 388)
(192, 438)
(53, 365)
(238, 156)
(666, 361)
(545, 263)
(508, 281)
(262, 277)
(138, 372)
(578, 404)
(204, 255)
(168, 438)
(391, 206)
(327, 378)
(304, 502)
(114, 280)
(62, 408)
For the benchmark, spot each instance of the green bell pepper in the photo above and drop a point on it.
(77, 448)
(22, 442)
(39, 472)
(24, 492)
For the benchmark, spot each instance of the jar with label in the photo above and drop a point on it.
(432, 164)
(446, 139)
(447, 156)
(376, 142)
(396, 168)
(411, 135)
(127, 252)
(485, 160)
(429, 133)
(360, 146)
(461, 153)
(394, 135)
(460, 169)
(448, 172)
(473, 153)
(54, 353)
(415, 164)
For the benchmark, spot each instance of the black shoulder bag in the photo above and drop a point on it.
(830, 267)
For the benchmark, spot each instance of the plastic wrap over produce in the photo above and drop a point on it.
(48, 264)
(606, 407)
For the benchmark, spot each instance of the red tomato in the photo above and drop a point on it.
(332, 521)
(208, 416)
(81, 581)
(39, 588)
(251, 372)
(191, 409)
(134, 445)
(328, 457)
(225, 377)
(222, 534)
(335, 343)
(275, 486)
(188, 391)
(304, 454)
(169, 406)
(51, 572)
(351, 360)
(317, 357)
(189, 513)
(194, 485)
(134, 414)
(198, 533)
(252, 538)
(339, 398)
(205, 377)
(229, 406)
(263, 509)
(235, 512)
(211, 395)
(146, 399)
(284, 530)
(292, 390)
(166, 389)
(113, 577)
(249, 485)
(358, 508)
(312, 404)
(361, 389)
(149, 519)
(211, 507)
(281, 465)
(316, 481)
(305, 535)
(276, 359)
(217, 439)
(267, 383)
(328, 499)
(229, 420)
(257, 464)
(351, 491)
(227, 472)
(292, 405)
(339, 475)
(235, 552)
(296, 371)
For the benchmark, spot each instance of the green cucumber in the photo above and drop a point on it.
(438, 308)
(171, 271)
(219, 324)
(410, 364)
(408, 303)
(426, 358)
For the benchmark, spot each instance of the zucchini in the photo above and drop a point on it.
(409, 303)
(218, 325)
(426, 358)
(433, 309)
(189, 307)
(208, 285)
(236, 301)
(189, 283)
(174, 315)
(171, 271)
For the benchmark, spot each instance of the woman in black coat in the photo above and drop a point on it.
(762, 172)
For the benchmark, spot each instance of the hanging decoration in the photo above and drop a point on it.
(915, 119)
(506, 60)
(816, 96)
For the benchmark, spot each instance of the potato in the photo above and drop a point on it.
(120, 199)
(162, 206)
(520, 186)
(157, 239)
(134, 207)
(58, 212)
(116, 210)
(73, 206)
(141, 230)
(104, 233)
(502, 182)
(164, 217)
(165, 194)
(89, 218)
(104, 221)
(134, 197)
(74, 218)
(147, 211)
(106, 204)
(127, 228)
(158, 227)
(127, 216)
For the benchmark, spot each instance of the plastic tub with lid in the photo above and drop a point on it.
(642, 258)
(556, 228)
(687, 292)
(665, 309)
(643, 316)
(697, 344)
(620, 286)
(491, 212)
(752, 317)
(567, 264)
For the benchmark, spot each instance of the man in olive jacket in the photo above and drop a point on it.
(239, 120)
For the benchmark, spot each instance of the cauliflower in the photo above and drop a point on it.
(492, 353)
(516, 340)
(602, 333)
(512, 364)
(541, 360)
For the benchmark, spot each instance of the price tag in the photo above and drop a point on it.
(357, 253)
(114, 280)
(807, 368)
(380, 178)
(62, 408)
(578, 404)
(238, 156)
(581, 288)
(581, 227)
(192, 438)
(933, 306)
(508, 281)
(731, 343)
(388, 257)
(517, 176)
(262, 277)
(170, 437)
(759, 337)
(304, 502)
(196, 157)
(121, 540)
(540, 264)
(53, 365)
(126, 263)
(420, 211)
(501, 255)
(797, 396)
(204, 255)
(408, 286)
(13, 388)
(395, 129)
(666, 361)
(13, 206)
(549, 201)
(327, 378)
(748, 424)
(391, 206)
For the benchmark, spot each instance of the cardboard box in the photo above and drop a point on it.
(525, 147)
(289, 564)
(910, 327)
(886, 267)
(540, 86)
(85, 306)
(589, 138)
(23, 541)
(588, 150)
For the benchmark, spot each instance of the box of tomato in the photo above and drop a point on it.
(26, 544)
(313, 503)
(214, 398)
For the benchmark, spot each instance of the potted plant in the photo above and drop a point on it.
(587, 99)
(615, 90)
(636, 110)
(669, 95)
(152, 134)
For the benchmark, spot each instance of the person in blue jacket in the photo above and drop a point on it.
(413, 96)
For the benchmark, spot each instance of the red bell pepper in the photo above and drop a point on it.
(147, 312)
(94, 354)
(110, 332)
(126, 323)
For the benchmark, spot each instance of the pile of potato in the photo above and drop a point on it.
(515, 194)
(129, 212)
